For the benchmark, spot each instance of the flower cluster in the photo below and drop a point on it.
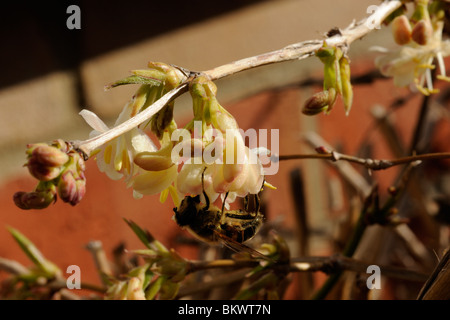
(60, 171)
(421, 42)
(117, 157)
(231, 168)
(220, 162)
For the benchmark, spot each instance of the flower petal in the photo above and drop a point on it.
(93, 121)
(153, 182)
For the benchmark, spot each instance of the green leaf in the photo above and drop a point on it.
(33, 253)
(154, 288)
(145, 237)
(134, 79)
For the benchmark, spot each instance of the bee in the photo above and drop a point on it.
(210, 224)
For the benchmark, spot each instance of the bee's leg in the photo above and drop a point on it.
(257, 203)
(203, 188)
(224, 200)
(246, 203)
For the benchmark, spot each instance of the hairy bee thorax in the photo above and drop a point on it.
(198, 219)
(210, 224)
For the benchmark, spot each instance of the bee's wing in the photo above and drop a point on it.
(238, 247)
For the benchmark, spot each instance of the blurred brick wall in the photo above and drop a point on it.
(47, 84)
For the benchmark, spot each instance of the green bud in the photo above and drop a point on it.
(347, 90)
(172, 76)
(154, 74)
(330, 57)
(421, 11)
(153, 288)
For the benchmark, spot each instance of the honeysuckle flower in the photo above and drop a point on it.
(411, 64)
(133, 155)
(156, 171)
(248, 180)
(153, 182)
(189, 181)
(240, 175)
(226, 166)
(116, 158)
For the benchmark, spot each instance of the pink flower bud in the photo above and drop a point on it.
(71, 190)
(41, 171)
(49, 156)
(67, 187)
(34, 199)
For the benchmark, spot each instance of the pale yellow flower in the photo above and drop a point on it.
(236, 171)
(412, 63)
(116, 157)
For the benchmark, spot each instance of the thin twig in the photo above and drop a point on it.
(372, 164)
(222, 280)
(421, 120)
(327, 264)
(295, 51)
(13, 267)
(345, 169)
(102, 263)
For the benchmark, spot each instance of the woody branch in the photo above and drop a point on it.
(297, 51)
